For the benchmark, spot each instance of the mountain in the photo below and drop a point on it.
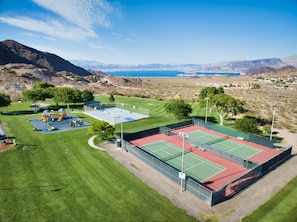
(95, 65)
(245, 66)
(14, 52)
(262, 70)
(231, 66)
(290, 60)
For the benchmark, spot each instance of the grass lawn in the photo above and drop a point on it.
(58, 177)
(281, 207)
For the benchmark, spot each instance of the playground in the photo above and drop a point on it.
(5, 141)
(52, 122)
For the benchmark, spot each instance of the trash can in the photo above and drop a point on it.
(118, 142)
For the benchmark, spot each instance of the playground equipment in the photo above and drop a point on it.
(44, 118)
(60, 117)
(77, 123)
(49, 116)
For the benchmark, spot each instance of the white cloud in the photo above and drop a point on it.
(50, 27)
(83, 13)
(25, 33)
(96, 46)
(121, 36)
(117, 34)
(49, 38)
(76, 19)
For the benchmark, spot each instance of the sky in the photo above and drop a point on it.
(153, 31)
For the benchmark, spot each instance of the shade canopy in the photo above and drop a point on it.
(40, 105)
(46, 111)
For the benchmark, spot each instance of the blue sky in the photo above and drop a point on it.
(153, 31)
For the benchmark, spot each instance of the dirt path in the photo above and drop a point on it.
(228, 211)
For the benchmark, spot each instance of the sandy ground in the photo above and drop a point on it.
(229, 211)
(290, 139)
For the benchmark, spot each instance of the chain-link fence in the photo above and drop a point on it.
(211, 197)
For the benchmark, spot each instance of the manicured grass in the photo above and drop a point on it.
(158, 116)
(281, 207)
(58, 177)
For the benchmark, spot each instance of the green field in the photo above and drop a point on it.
(281, 207)
(58, 177)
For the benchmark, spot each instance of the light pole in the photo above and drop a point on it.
(274, 109)
(119, 117)
(122, 135)
(182, 175)
(207, 98)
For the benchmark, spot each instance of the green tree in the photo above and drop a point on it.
(76, 77)
(207, 92)
(87, 95)
(4, 100)
(179, 108)
(67, 95)
(102, 129)
(247, 124)
(111, 98)
(266, 129)
(221, 90)
(42, 85)
(225, 104)
(34, 95)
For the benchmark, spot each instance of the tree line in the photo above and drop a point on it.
(211, 98)
(42, 91)
(223, 105)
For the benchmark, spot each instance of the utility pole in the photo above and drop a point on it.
(274, 109)
(207, 98)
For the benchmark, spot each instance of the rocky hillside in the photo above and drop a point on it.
(291, 60)
(245, 66)
(263, 70)
(14, 52)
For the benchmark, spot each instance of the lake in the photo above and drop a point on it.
(167, 73)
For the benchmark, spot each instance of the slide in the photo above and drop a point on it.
(44, 119)
(60, 118)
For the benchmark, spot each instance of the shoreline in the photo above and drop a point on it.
(168, 73)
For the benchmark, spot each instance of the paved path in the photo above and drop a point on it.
(91, 144)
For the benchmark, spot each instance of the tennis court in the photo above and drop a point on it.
(224, 143)
(194, 166)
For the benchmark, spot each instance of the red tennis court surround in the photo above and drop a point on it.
(233, 170)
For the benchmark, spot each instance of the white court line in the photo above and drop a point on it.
(215, 174)
(167, 146)
(210, 163)
(159, 142)
(195, 165)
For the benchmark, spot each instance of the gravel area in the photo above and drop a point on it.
(229, 211)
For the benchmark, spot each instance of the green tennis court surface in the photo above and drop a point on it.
(222, 143)
(194, 166)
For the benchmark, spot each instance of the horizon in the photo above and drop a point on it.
(153, 32)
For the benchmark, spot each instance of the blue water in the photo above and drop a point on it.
(166, 73)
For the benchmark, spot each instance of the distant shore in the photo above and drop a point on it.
(167, 73)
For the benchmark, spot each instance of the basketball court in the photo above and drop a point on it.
(114, 115)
